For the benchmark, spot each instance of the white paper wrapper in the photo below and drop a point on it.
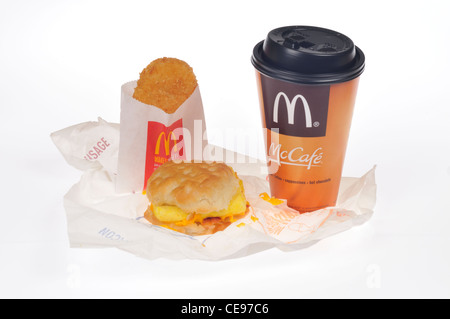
(98, 216)
(90, 145)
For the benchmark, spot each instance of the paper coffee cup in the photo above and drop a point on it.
(307, 82)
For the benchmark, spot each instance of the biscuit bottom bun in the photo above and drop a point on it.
(195, 198)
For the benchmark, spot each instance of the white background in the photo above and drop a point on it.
(63, 62)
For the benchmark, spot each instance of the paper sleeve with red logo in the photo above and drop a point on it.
(149, 137)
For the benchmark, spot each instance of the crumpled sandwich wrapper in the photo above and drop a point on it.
(98, 216)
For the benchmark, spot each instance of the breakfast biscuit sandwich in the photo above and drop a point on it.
(195, 198)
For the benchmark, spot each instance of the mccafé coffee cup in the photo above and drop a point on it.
(307, 81)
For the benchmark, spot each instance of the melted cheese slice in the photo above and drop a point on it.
(272, 200)
(173, 214)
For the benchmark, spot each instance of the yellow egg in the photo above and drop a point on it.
(169, 213)
(173, 214)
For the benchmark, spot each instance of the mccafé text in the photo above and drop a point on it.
(295, 156)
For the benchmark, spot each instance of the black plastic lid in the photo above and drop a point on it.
(309, 55)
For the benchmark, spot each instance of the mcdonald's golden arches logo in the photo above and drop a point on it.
(162, 144)
(170, 137)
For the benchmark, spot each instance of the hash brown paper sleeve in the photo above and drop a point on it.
(147, 137)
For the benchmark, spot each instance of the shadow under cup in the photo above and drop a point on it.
(307, 80)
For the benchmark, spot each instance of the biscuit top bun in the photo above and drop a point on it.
(193, 187)
(165, 83)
